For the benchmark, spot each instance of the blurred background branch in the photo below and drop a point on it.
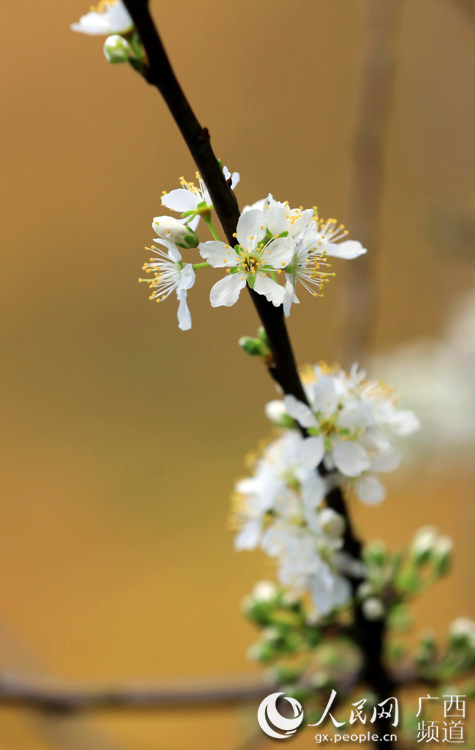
(373, 94)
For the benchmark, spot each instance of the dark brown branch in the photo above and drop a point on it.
(161, 75)
(283, 367)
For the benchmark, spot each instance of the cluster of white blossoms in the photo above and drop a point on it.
(281, 509)
(274, 244)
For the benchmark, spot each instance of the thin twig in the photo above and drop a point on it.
(52, 695)
(29, 691)
(374, 85)
(80, 733)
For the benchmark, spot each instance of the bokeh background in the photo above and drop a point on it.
(122, 436)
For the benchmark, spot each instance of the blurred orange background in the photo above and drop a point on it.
(121, 435)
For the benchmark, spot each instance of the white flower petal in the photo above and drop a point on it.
(218, 254)
(180, 200)
(275, 217)
(355, 414)
(323, 395)
(187, 277)
(300, 412)
(404, 423)
(173, 251)
(114, 19)
(235, 177)
(347, 250)
(184, 315)
(271, 290)
(248, 537)
(249, 225)
(226, 291)
(290, 295)
(300, 224)
(370, 490)
(279, 253)
(313, 490)
(386, 461)
(350, 458)
(311, 452)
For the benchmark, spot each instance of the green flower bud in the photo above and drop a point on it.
(442, 555)
(251, 346)
(117, 49)
(364, 590)
(376, 552)
(462, 633)
(423, 544)
(263, 652)
(263, 337)
(428, 641)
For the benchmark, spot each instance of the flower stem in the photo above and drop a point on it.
(196, 266)
(211, 228)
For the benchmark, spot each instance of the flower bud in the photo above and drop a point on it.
(265, 591)
(442, 555)
(423, 544)
(117, 49)
(375, 552)
(261, 652)
(173, 230)
(364, 590)
(251, 346)
(275, 411)
(263, 336)
(373, 609)
(332, 523)
(462, 632)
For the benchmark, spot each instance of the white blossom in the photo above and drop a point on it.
(320, 240)
(191, 197)
(354, 419)
(251, 261)
(279, 509)
(170, 274)
(109, 17)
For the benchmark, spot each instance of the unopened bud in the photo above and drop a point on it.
(276, 412)
(373, 609)
(375, 552)
(117, 49)
(173, 230)
(251, 346)
(261, 652)
(442, 555)
(263, 336)
(423, 544)
(462, 632)
(265, 591)
(364, 590)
